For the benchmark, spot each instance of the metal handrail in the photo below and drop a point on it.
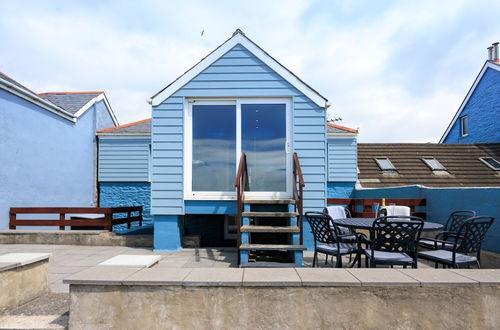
(240, 183)
(298, 193)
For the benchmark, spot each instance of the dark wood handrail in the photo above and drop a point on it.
(106, 221)
(298, 193)
(240, 183)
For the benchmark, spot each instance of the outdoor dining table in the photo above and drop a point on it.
(367, 224)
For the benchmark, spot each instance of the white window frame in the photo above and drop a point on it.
(189, 194)
(483, 159)
(463, 119)
(429, 165)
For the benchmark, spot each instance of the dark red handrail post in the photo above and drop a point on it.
(12, 220)
(298, 179)
(62, 218)
(108, 219)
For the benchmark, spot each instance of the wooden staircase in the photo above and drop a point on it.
(269, 231)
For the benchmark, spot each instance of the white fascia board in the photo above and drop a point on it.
(123, 135)
(89, 104)
(341, 135)
(255, 50)
(467, 97)
(11, 88)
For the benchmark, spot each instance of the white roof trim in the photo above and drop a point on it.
(239, 38)
(11, 88)
(341, 135)
(467, 97)
(109, 135)
(100, 97)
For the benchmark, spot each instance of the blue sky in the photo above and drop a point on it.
(397, 70)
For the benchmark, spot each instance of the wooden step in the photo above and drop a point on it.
(270, 247)
(268, 265)
(269, 214)
(270, 229)
(269, 201)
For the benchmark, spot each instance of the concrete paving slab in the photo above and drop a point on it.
(8, 265)
(214, 277)
(24, 258)
(382, 277)
(158, 276)
(485, 277)
(271, 277)
(132, 260)
(34, 322)
(438, 277)
(326, 277)
(102, 275)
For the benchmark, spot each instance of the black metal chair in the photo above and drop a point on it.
(327, 238)
(393, 241)
(351, 238)
(466, 241)
(452, 226)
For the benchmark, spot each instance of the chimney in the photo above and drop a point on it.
(495, 51)
(490, 53)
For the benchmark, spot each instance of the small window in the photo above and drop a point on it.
(386, 166)
(433, 164)
(491, 162)
(464, 125)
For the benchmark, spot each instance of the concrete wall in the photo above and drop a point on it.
(483, 110)
(442, 201)
(340, 189)
(45, 160)
(22, 284)
(127, 194)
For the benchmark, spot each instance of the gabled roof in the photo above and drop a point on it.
(141, 127)
(18, 89)
(334, 129)
(240, 38)
(77, 103)
(495, 65)
(461, 161)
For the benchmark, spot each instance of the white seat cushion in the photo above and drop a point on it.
(389, 256)
(446, 255)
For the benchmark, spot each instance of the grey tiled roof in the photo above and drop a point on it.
(138, 127)
(460, 160)
(71, 102)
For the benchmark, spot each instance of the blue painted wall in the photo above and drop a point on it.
(127, 194)
(45, 160)
(340, 189)
(342, 159)
(103, 118)
(238, 73)
(442, 201)
(124, 159)
(483, 110)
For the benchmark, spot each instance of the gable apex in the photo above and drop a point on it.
(239, 38)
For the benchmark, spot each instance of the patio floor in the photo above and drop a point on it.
(71, 259)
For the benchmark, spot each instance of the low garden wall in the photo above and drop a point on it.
(304, 298)
(23, 278)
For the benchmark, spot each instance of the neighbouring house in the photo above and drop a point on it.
(124, 163)
(478, 118)
(449, 176)
(48, 146)
(238, 99)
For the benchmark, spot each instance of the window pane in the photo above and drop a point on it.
(214, 147)
(465, 125)
(493, 163)
(434, 164)
(385, 164)
(263, 134)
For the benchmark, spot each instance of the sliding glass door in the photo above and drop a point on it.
(216, 134)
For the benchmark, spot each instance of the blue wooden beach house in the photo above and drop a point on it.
(238, 142)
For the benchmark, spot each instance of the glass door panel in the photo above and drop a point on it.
(214, 148)
(263, 139)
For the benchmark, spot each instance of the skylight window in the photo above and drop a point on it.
(433, 164)
(385, 165)
(491, 162)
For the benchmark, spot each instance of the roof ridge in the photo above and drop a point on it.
(124, 125)
(54, 93)
(345, 128)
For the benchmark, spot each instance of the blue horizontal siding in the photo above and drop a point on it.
(238, 73)
(342, 160)
(123, 160)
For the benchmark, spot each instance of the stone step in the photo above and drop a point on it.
(271, 247)
(269, 214)
(268, 265)
(269, 201)
(270, 229)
